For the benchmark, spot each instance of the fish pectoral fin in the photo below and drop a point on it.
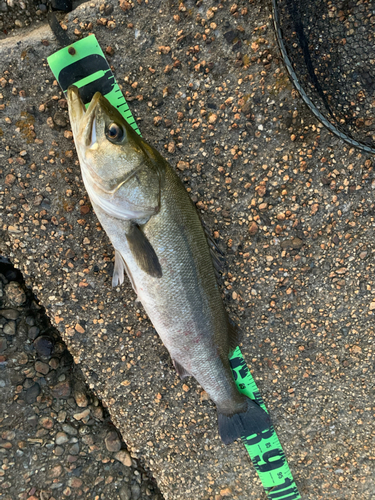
(143, 252)
(118, 272)
(180, 370)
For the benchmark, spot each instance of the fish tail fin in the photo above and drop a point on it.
(252, 421)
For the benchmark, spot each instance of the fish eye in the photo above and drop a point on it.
(115, 133)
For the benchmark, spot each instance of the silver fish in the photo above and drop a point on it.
(160, 244)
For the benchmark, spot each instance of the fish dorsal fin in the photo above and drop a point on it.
(234, 335)
(143, 252)
(218, 263)
(217, 255)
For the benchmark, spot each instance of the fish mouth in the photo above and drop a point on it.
(83, 121)
(77, 110)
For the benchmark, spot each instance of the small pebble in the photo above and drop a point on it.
(72, 431)
(74, 449)
(61, 416)
(59, 450)
(112, 442)
(61, 438)
(3, 344)
(253, 228)
(29, 382)
(46, 422)
(108, 9)
(44, 346)
(10, 328)
(54, 363)
(59, 119)
(124, 457)
(61, 390)
(41, 367)
(80, 395)
(82, 415)
(33, 332)
(30, 320)
(9, 313)
(125, 492)
(56, 471)
(8, 435)
(32, 393)
(136, 491)
(15, 294)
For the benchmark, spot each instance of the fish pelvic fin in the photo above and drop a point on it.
(252, 421)
(118, 272)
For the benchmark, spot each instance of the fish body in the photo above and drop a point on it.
(160, 244)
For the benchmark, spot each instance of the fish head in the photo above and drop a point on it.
(121, 172)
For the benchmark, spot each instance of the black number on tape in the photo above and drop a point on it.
(250, 441)
(283, 491)
(266, 457)
(239, 362)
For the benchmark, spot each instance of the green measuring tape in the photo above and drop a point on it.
(265, 450)
(83, 64)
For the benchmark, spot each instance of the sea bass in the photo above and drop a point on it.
(161, 245)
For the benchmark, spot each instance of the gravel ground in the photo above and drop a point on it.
(18, 14)
(57, 440)
(290, 205)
